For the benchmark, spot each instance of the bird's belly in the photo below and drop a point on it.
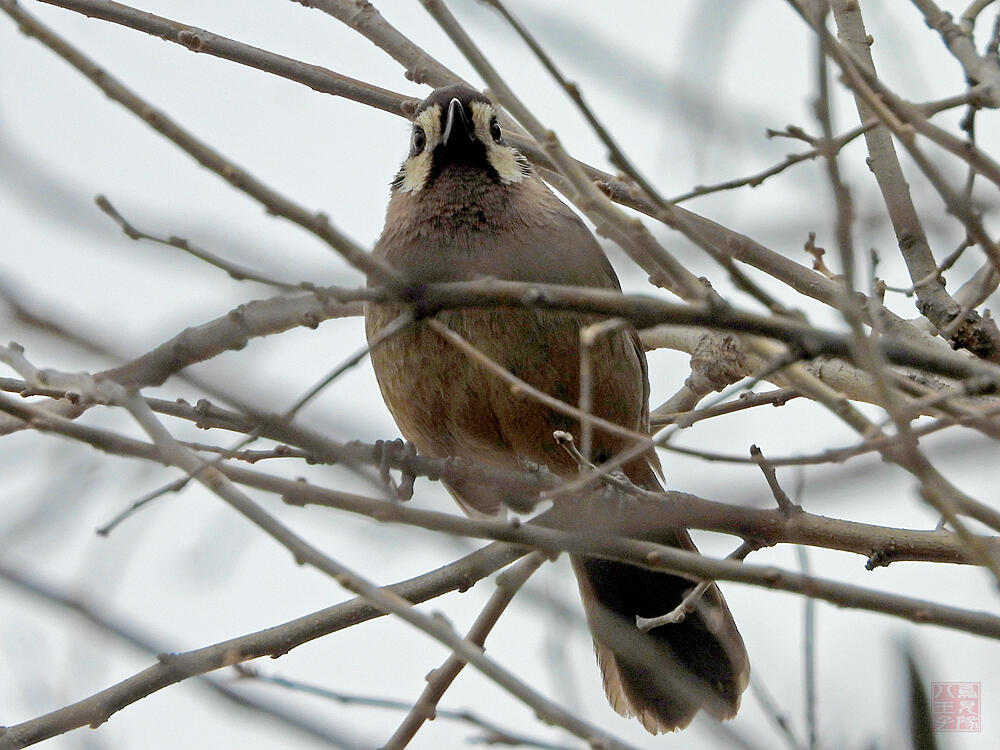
(448, 404)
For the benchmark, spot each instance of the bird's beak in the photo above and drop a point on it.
(457, 124)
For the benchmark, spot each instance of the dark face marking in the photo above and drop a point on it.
(459, 145)
(466, 156)
(456, 129)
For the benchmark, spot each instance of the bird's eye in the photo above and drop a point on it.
(418, 140)
(495, 131)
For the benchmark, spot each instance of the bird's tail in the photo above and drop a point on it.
(665, 676)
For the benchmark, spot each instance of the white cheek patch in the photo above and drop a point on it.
(417, 169)
(510, 166)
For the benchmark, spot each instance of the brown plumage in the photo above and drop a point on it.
(466, 205)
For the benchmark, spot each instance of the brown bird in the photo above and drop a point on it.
(467, 205)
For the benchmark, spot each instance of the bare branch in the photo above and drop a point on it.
(676, 509)
(935, 302)
(199, 40)
(978, 69)
(364, 18)
(494, 733)
(438, 681)
(235, 271)
(784, 504)
(63, 721)
(633, 237)
(273, 641)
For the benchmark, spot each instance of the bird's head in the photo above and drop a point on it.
(456, 128)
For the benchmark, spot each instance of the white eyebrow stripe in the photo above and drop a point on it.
(501, 157)
(416, 169)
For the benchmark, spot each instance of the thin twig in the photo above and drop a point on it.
(778, 717)
(755, 378)
(63, 720)
(138, 504)
(691, 598)
(235, 271)
(618, 158)
(786, 505)
(758, 178)
(263, 424)
(530, 391)
(616, 155)
(365, 19)
(198, 40)
(832, 455)
(633, 237)
(971, 13)
(809, 655)
(959, 42)
(777, 397)
(272, 641)
(508, 584)
(494, 733)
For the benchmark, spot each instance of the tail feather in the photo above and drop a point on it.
(665, 676)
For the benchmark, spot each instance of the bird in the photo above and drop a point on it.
(467, 205)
